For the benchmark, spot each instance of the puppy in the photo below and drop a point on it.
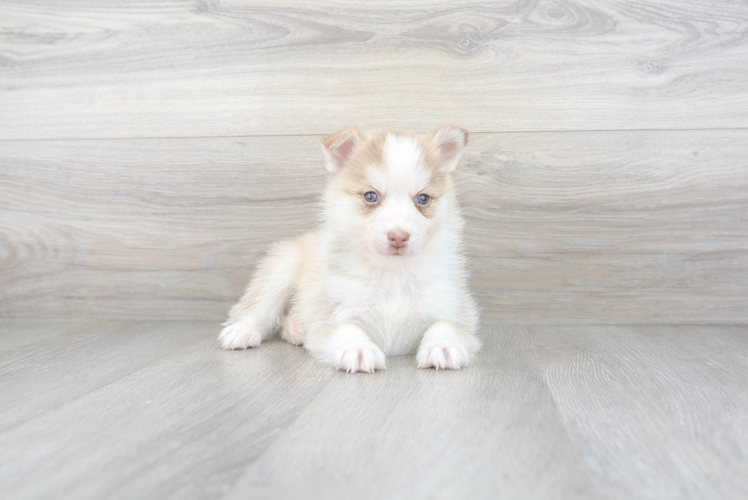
(385, 273)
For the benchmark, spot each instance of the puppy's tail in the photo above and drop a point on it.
(271, 289)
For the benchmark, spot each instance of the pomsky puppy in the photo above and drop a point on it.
(385, 273)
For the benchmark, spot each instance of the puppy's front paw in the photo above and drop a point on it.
(359, 357)
(240, 334)
(442, 355)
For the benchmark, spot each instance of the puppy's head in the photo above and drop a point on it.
(391, 192)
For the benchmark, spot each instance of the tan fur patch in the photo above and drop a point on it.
(353, 179)
(440, 182)
(369, 154)
(331, 141)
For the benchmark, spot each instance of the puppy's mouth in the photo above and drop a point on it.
(398, 255)
(398, 252)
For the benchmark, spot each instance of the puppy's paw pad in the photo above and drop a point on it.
(360, 358)
(293, 328)
(239, 335)
(442, 356)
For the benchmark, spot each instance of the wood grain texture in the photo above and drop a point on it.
(18, 334)
(488, 431)
(613, 227)
(78, 362)
(544, 412)
(658, 412)
(75, 69)
(181, 420)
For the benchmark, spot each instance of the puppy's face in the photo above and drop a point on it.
(390, 190)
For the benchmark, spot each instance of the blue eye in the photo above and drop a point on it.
(423, 199)
(371, 197)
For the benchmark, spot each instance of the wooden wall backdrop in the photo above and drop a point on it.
(150, 150)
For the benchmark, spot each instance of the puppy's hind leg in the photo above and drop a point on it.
(260, 311)
(291, 331)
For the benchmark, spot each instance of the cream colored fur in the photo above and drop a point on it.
(348, 292)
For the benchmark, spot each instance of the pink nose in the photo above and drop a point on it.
(398, 237)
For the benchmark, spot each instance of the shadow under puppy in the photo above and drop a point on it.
(385, 273)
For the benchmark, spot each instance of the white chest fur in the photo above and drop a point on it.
(394, 310)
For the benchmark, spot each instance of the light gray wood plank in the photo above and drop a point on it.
(52, 372)
(609, 228)
(74, 69)
(18, 333)
(108, 225)
(614, 227)
(543, 412)
(183, 426)
(489, 431)
(658, 412)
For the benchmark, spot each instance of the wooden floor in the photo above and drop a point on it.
(153, 409)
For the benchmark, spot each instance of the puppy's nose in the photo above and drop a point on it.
(398, 237)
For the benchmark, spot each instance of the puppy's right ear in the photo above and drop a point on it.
(338, 148)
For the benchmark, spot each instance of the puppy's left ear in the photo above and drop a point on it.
(449, 141)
